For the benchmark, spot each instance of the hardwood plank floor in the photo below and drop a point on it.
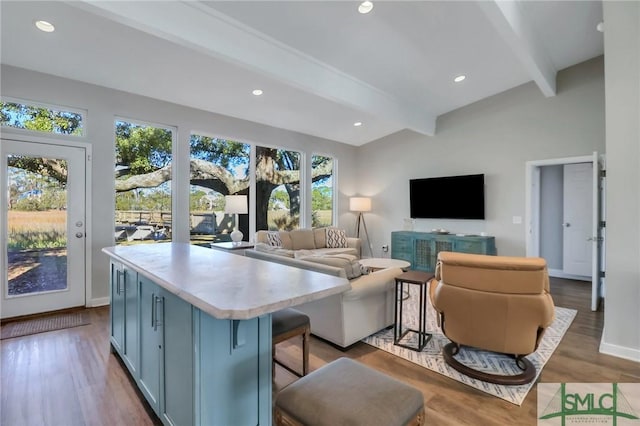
(69, 377)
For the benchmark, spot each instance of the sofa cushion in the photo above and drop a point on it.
(273, 239)
(336, 238)
(302, 239)
(320, 235)
(285, 237)
(273, 250)
(347, 262)
(346, 250)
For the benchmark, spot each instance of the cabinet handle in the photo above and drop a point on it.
(158, 300)
(118, 274)
(153, 310)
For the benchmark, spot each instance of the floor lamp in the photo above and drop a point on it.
(361, 205)
(236, 204)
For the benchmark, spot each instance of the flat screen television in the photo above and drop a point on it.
(447, 197)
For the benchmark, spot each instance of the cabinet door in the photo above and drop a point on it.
(471, 246)
(117, 313)
(150, 342)
(401, 247)
(423, 252)
(234, 371)
(130, 352)
(177, 380)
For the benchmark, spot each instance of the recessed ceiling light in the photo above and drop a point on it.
(459, 78)
(357, 124)
(45, 26)
(257, 92)
(365, 7)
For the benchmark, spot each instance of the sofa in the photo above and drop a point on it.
(345, 318)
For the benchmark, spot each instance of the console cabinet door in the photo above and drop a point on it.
(117, 312)
(150, 342)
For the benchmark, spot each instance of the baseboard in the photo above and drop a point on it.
(100, 301)
(631, 354)
(557, 273)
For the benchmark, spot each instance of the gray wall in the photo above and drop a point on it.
(103, 105)
(494, 136)
(551, 215)
(622, 66)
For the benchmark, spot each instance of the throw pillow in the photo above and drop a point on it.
(336, 238)
(273, 238)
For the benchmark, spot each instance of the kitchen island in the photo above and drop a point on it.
(193, 327)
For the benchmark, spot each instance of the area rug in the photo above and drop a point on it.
(431, 356)
(44, 323)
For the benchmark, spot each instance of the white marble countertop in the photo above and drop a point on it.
(225, 285)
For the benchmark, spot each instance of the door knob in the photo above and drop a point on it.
(566, 224)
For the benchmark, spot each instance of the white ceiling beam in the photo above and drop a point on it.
(197, 26)
(508, 19)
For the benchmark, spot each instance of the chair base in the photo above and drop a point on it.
(527, 375)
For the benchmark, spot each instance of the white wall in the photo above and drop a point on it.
(622, 68)
(494, 136)
(103, 105)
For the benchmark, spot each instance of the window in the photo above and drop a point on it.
(40, 119)
(143, 183)
(277, 189)
(321, 191)
(219, 167)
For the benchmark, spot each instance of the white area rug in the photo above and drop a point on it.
(431, 355)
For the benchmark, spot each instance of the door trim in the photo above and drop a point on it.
(20, 137)
(532, 210)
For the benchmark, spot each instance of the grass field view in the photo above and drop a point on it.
(36, 251)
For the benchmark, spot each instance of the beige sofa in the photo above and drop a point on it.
(345, 318)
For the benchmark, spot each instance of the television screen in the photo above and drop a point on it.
(449, 197)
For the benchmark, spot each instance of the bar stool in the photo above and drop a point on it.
(286, 324)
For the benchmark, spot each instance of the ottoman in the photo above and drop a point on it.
(345, 392)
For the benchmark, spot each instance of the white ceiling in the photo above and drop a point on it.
(321, 64)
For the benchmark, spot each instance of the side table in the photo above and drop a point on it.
(416, 278)
(235, 248)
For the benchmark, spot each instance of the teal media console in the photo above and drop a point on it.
(193, 328)
(421, 248)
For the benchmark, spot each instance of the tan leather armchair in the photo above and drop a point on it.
(495, 303)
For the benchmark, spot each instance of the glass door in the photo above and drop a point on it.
(43, 227)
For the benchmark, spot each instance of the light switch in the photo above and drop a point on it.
(517, 220)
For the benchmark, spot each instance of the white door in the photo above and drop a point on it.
(578, 219)
(43, 227)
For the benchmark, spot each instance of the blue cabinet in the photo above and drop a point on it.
(166, 354)
(192, 368)
(117, 318)
(421, 248)
(124, 315)
(150, 343)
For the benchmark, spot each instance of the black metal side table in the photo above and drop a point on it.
(421, 279)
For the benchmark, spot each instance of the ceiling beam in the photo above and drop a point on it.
(197, 26)
(509, 20)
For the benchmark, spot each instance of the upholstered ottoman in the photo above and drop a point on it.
(345, 392)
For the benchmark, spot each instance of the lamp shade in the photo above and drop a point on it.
(235, 204)
(360, 204)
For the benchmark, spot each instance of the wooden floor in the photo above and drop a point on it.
(69, 377)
